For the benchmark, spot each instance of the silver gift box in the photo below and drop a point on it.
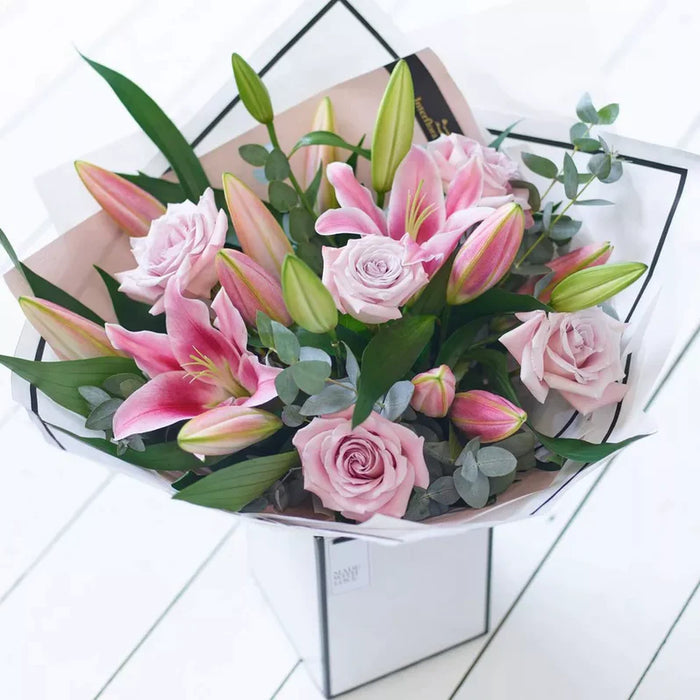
(357, 610)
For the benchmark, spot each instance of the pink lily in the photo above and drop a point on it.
(419, 213)
(131, 207)
(194, 368)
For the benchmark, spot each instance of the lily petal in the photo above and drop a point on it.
(166, 399)
(151, 351)
(416, 205)
(350, 193)
(346, 220)
(466, 188)
(229, 321)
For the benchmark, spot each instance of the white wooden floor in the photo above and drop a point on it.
(108, 590)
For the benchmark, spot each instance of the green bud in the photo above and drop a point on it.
(593, 285)
(252, 91)
(309, 303)
(393, 130)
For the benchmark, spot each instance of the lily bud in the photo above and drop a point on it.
(393, 129)
(433, 391)
(69, 335)
(131, 207)
(487, 254)
(226, 429)
(594, 285)
(309, 303)
(252, 90)
(321, 156)
(579, 259)
(259, 234)
(250, 288)
(485, 415)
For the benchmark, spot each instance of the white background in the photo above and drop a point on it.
(105, 588)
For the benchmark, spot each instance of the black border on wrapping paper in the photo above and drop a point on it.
(429, 88)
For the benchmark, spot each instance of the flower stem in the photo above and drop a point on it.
(380, 199)
(292, 178)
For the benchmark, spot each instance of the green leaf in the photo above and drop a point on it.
(433, 298)
(334, 397)
(496, 143)
(578, 131)
(100, 418)
(60, 380)
(158, 127)
(600, 165)
(312, 190)
(254, 153)
(586, 111)
(164, 456)
(286, 387)
(94, 395)
(495, 364)
(587, 145)
(497, 301)
(328, 138)
(533, 197)
(615, 172)
(5, 243)
(285, 343)
(277, 166)
(581, 450)
(282, 196)
(495, 461)
(352, 160)
(163, 190)
(301, 225)
(475, 493)
(458, 343)
(310, 375)
(123, 385)
(541, 166)
(388, 357)
(570, 177)
(564, 228)
(133, 315)
(233, 487)
(609, 113)
(443, 491)
(264, 326)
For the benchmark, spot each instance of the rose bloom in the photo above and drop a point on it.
(577, 354)
(183, 243)
(451, 153)
(371, 277)
(371, 469)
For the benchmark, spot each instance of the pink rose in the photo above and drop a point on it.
(371, 277)
(182, 243)
(576, 353)
(452, 153)
(371, 469)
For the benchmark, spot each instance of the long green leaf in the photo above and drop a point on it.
(458, 343)
(163, 190)
(44, 289)
(433, 298)
(60, 380)
(164, 456)
(497, 301)
(160, 129)
(233, 487)
(328, 138)
(133, 315)
(496, 143)
(581, 450)
(388, 357)
(495, 364)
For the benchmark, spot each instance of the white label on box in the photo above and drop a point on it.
(349, 566)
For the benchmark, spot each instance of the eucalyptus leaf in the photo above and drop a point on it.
(101, 416)
(286, 387)
(310, 375)
(570, 177)
(593, 203)
(469, 466)
(600, 165)
(519, 444)
(471, 448)
(276, 166)
(123, 385)
(495, 461)
(533, 197)
(282, 196)
(352, 368)
(93, 395)
(264, 326)
(499, 484)
(547, 215)
(564, 228)
(443, 491)
(578, 131)
(254, 153)
(615, 172)
(332, 398)
(285, 343)
(292, 416)
(586, 111)
(474, 493)
(609, 113)
(539, 165)
(587, 145)
(397, 399)
(311, 353)
(418, 505)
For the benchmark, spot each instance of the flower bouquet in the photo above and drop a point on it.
(338, 351)
(343, 324)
